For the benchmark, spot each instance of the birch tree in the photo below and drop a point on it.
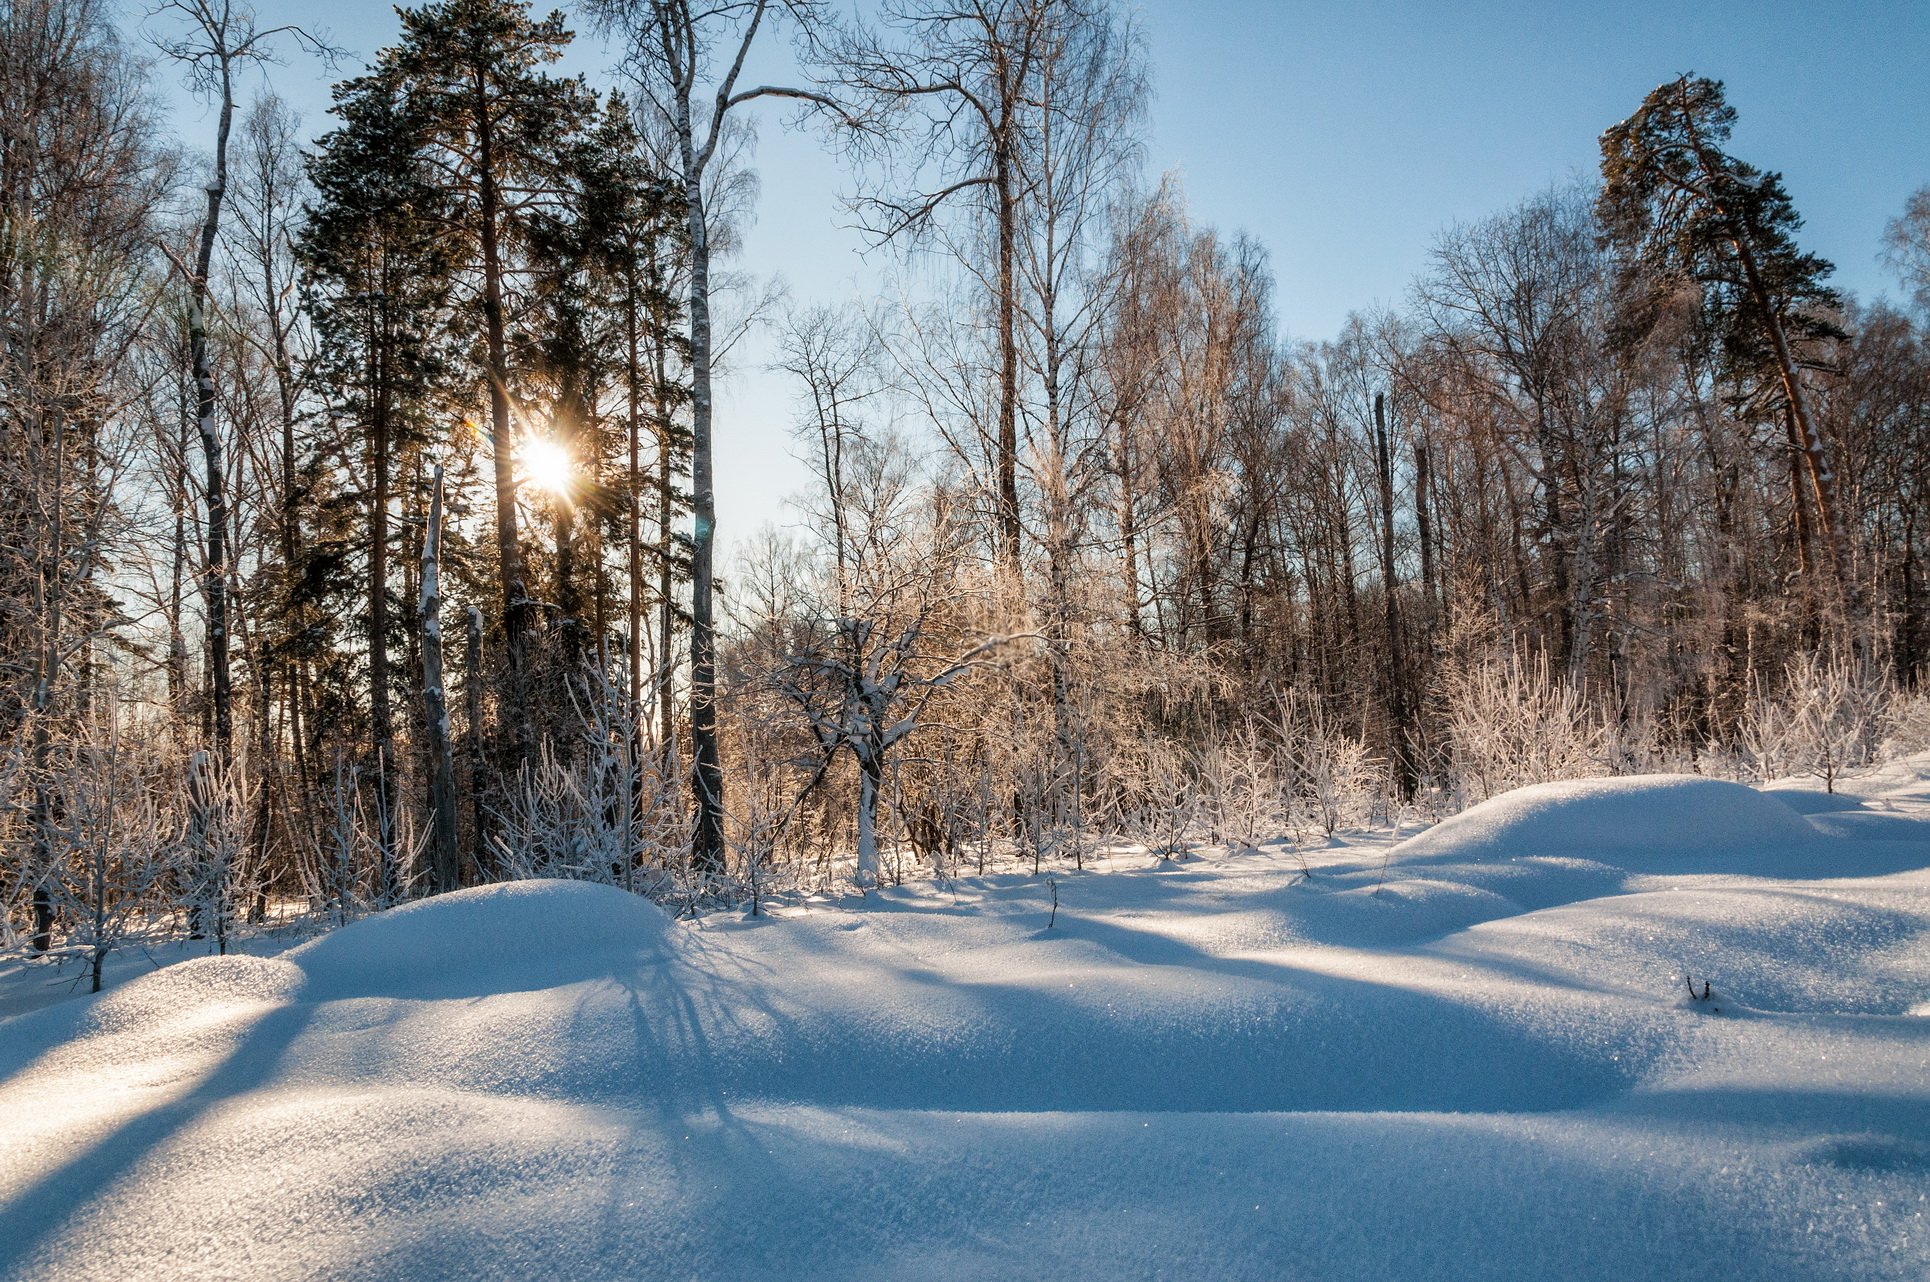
(951, 86)
(687, 62)
(269, 193)
(221, 40)
(878, 642)
(1906, 246)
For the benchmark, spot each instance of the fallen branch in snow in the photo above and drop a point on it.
(1702, 997)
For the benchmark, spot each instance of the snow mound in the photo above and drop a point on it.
(1485, 1063)
(508, 937)
(182, 1009)
(205, 982)
(1640, 823)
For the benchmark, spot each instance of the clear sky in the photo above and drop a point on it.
(1344, 136)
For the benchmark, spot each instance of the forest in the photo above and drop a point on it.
(358, 519)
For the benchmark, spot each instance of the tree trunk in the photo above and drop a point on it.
(707, 846)
(177, 638)
(513, 698)
(633, 511)
(445, 860)
(472, 689)
(1424, 521)
(870, 779)
(1128, 528)
(381, 720)
(1008, 406)
(200, 359)
(1400, 727)
(666, 569)
(1815, 454)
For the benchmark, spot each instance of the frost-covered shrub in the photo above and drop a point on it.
(115, 858)
(1341, 779)
(1247, 782)
(1907, 728)
(219, 864)
(1510, 723)
(1831, 715)
(1166, 803)
(602, 810)
(370, 854)
(1723, 761)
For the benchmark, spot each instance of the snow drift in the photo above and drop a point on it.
(1642, 823)
(486, 939)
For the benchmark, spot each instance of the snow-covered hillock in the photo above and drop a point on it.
(1662, 824)
(520, 934)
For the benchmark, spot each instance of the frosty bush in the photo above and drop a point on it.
(1907, 729)
(218, 865)
(1247, 778)
(599, 809)
(1830, 716)
(115, 849)
(1510, 724)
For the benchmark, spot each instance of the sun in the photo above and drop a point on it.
(547, 465)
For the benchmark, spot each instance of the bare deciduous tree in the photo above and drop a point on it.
(686, 61)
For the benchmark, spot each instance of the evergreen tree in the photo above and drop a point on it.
(644, 247)
(380, 275)
(498, 132)
(599, 310)
(1684, 210)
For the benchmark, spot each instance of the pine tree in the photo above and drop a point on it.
(380, 277)
(644, 247)
(601, 311)
(1684, 210)
(498, 132)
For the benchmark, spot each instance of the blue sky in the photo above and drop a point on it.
(1345, 136)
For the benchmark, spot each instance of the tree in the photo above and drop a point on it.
(1685, 210)
(600, 322)
(954, 86)
(497, 132)
(222, 38)
(873, 645)
(80, 188)
(1076, 158)
(445, 862)
(1906, 245)
(381, 278)
(1518, 305)
(673, 48)
(270, 191)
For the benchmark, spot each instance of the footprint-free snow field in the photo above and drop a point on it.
(1471, 1055)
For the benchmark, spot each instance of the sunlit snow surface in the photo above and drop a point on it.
(1472, 1055)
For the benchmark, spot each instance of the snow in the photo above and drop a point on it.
(1673, 822)
(487, 939)
(1472, 1053)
